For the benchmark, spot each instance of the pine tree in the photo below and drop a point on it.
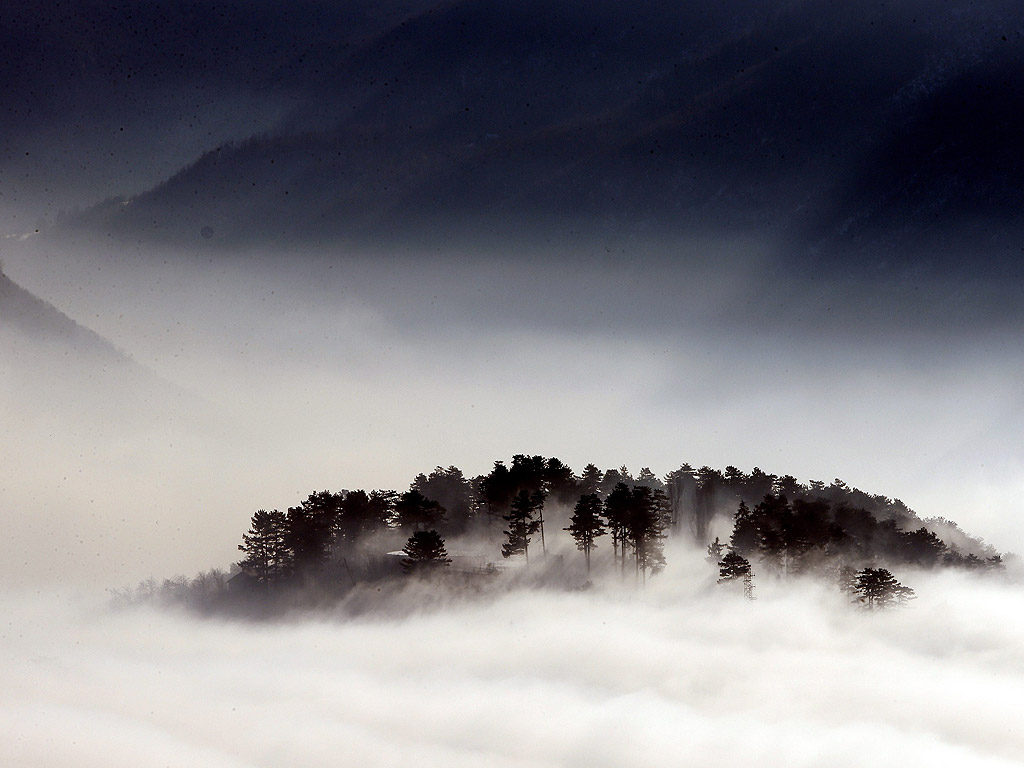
(497, 490)
(310, 530)
(715, 550)
(414, 511)
(846, 580)
(266, 555)
(521, 524)
(878, 588)
(745, 537)
(645, 526)
(586, 524)
(648, 478)
(425, 552)
(449, 488)
(560, 482)
(734, 567)
(616, 513)
(590, 480)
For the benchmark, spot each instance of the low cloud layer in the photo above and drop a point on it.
(676, 675)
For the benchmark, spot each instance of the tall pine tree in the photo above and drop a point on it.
(424, 553)
(586, 525)
(266, 555)
(521, 524)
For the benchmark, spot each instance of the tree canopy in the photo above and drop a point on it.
(425, 552)
(791, 530)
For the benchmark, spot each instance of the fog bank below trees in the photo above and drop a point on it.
(678, 675)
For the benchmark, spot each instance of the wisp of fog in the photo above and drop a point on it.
(679, 673)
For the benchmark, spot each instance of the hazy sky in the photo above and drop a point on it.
(361, 371)
(746, 235)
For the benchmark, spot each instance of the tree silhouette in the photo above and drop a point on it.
(613, 477)
(449, 488)
(586, 525)
(382, 507)
(878, 588)
(716, 549)
(922, 547)
(521, 524)
(531, 473)
(745, 538)
(648, 478)
(266, 556)
(497, 489)
(590, 480)
(414, 511)
(710, 492)
(560, 482)
(846, 580)
(310, 528)
(357, 516)
(645, 526)
(616, 513)
(424, 553)
(734, 567)
(681, 487)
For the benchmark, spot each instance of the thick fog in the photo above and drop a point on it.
(678, 674)
(264, 377)
(253, 251)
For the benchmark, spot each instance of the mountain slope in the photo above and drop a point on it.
(58, 370)
(25, 314)
(824, 127)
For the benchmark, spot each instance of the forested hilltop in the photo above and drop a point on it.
(534, 520)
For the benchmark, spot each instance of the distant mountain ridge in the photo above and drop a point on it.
(33, 317)
(54, 367)
(833, 128)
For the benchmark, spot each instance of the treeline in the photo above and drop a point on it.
(807, 534)
(815, 536)
(333, 541)
(788, 526)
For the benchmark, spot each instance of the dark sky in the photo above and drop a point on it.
(860, 138)
(376, 237)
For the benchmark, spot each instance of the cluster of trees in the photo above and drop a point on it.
(873, 588)
(878, 588)
(636, 517)
(206, 591)
(301, 540)
(779, 524)
(327, 525)
(792, 537)
(817, 535)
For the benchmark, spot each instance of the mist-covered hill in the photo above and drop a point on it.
(830, 129)
(57, 372)
(24, 314)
